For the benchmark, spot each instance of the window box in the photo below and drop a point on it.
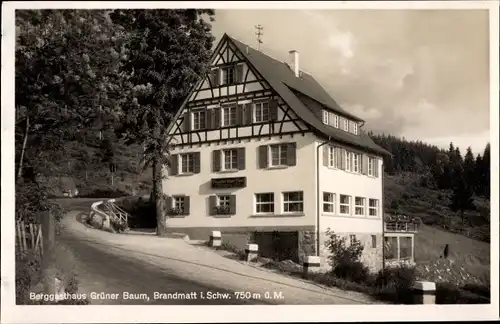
(222, 205)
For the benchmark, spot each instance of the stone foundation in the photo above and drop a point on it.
(307, 245)
(371, 257)
(294, 242)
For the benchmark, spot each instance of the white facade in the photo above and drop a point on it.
(300, 177)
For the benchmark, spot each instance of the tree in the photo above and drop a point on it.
(469, 168)
(169, 50)
(66, 67)
(461, 199)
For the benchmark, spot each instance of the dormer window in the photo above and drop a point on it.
(346, 125)
(355, 128)
(330, 118)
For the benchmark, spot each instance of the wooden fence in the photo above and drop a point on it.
(29, 237)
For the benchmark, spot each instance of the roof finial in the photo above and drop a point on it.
(259, 35)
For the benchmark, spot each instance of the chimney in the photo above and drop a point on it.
(294, 62)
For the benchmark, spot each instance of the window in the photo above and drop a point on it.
(229, 116)
(279, 154)
(230, 159)
(345, 202)
(373, 207)
(223, 201)
(333, 157)
(356, 163)
(359, 206)
(371, 165)
(178, 203)
(348, 161)
(346, 125)
(199, 120)
(293, 202)
(331, 118)
(336, 121)
(391, 248)
(261, 111)
(398, 248)
(328, 202)
(374, 241)
(228, 75)
(355, 128)
(352, 239)
(405, 249)
(264, 203)
(187, 163)
(325, 117)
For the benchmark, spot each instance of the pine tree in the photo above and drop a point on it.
(469, 169)
(461, 199)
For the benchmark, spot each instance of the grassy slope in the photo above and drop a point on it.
(470, 257)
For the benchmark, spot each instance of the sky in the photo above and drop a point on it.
(418, 74)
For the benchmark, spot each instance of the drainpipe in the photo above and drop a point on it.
(318, 201)
(382, 214)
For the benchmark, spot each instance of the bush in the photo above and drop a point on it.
(394, 284)
(345, 260)
(142, 212)
(28, 273)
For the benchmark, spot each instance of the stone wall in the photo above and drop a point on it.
(371, 257)
(307, 244)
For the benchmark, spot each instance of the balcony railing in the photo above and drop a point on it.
(401, 223)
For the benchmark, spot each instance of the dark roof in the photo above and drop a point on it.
(305, 96)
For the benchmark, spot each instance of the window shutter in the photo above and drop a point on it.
(169, 203)
(273, 109)
(239, 73)
(174, 164)
(187, 122)
(291, 154)
(249, 113)
(212, 203)
(375, 167)
(241, 158)
(239, 114)
(215, 77)
(326, 155)
(263, 157)
(216, 163)
(232, 204)
(208, 118)
(364, 165)
(196, 162)
(216, 114)
(338, 159)
(187, 205)
(342, 159)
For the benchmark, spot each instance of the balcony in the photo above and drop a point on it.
(401, 224)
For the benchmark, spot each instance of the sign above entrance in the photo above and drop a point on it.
(223, 183)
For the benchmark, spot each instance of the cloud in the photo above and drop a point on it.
(413, 73)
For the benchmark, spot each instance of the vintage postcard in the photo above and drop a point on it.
(255, 161)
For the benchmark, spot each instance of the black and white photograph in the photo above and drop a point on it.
(301, 154)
